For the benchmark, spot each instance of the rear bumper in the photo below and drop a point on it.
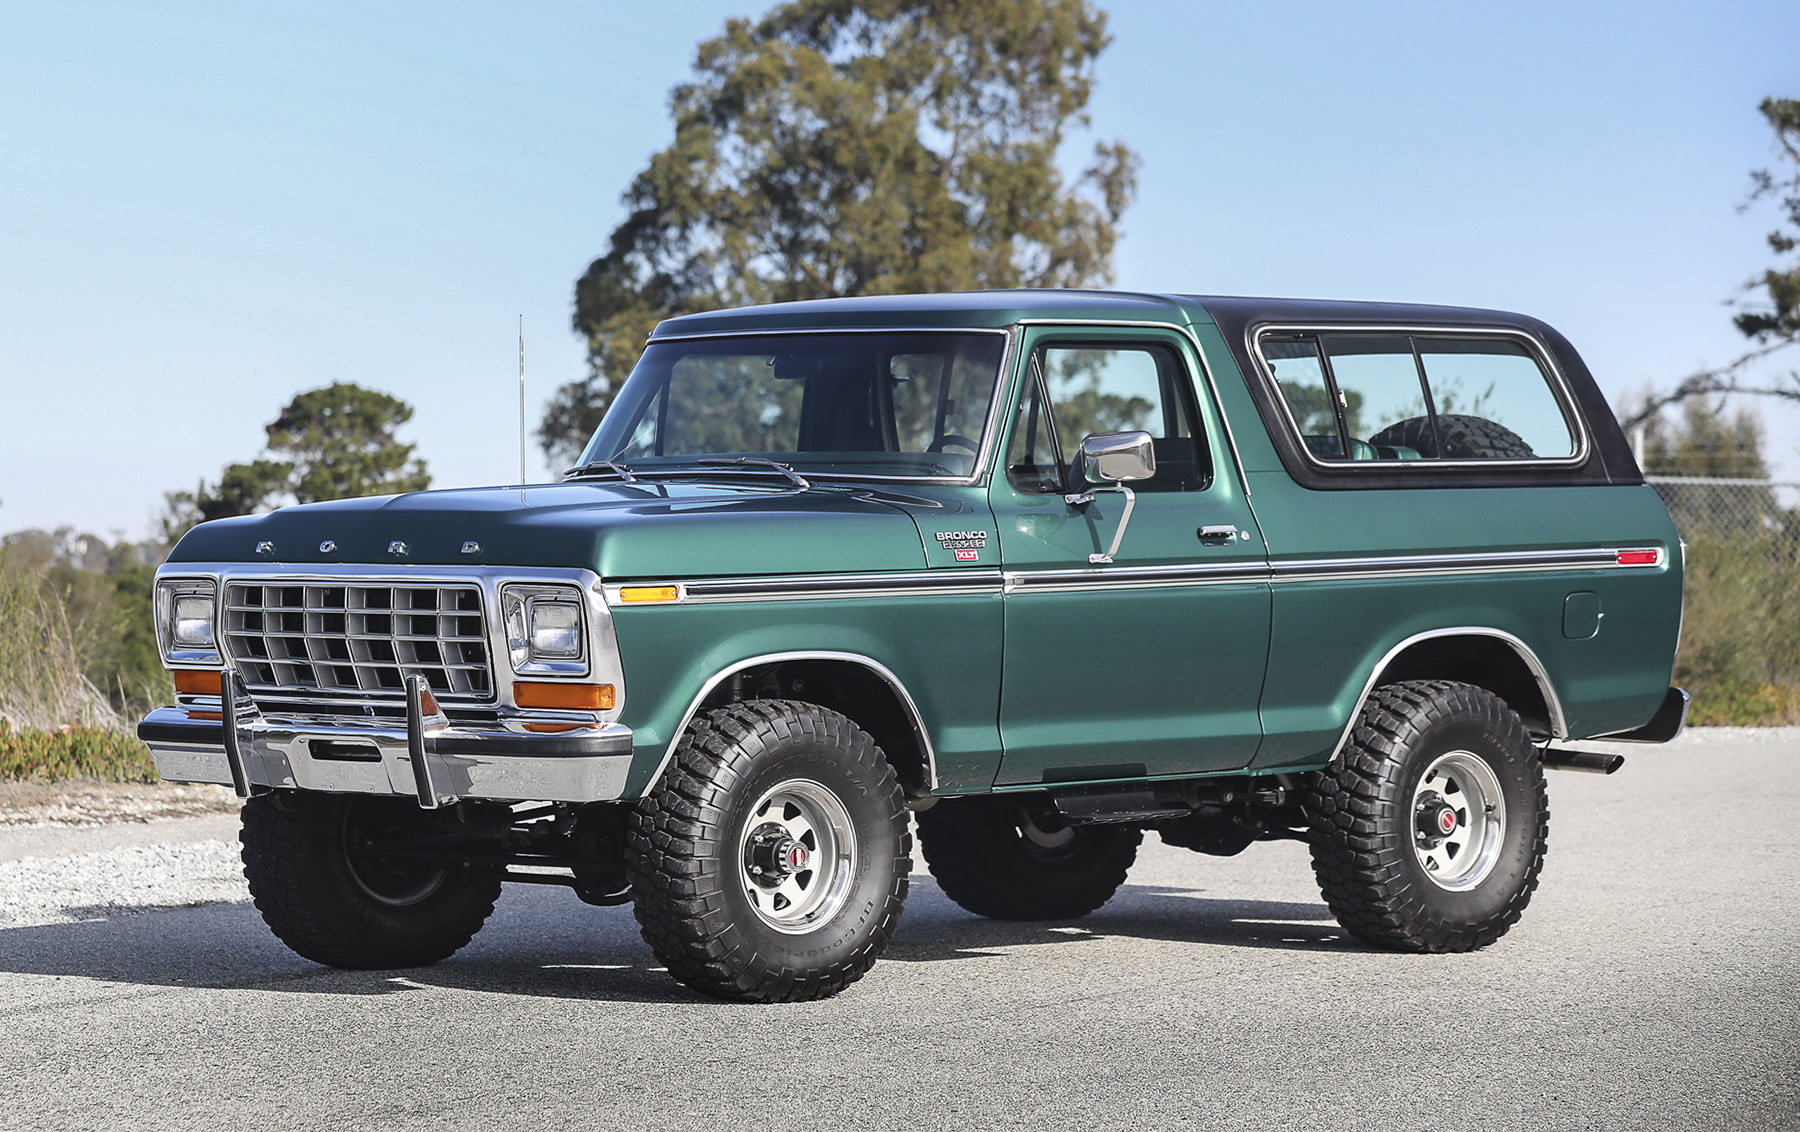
(1668, 722)
(428, 758)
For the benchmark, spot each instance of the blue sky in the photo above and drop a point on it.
(206, 208)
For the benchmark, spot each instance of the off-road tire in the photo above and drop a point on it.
(687, 857)
(1465, 438)
(322, 897)
(1366, 843)
(982, 853)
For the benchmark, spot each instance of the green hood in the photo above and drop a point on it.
(645, 530)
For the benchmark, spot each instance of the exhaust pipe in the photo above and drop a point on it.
(1586, 761)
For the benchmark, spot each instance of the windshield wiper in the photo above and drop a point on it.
(592, 466)
(751, 463)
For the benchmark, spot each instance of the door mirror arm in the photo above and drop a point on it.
(1106, 460)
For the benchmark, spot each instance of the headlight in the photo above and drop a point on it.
(544, 629)
(193, 627)
(186, 619)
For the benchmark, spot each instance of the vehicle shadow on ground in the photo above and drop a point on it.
(545, 943)
(935, 929)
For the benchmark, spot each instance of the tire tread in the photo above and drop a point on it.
(1357, 810)
(673, 841)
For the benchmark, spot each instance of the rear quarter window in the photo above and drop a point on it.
(1385, 396)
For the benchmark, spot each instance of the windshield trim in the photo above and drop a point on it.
(1003, 390)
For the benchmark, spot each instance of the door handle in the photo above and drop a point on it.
(1220, 534)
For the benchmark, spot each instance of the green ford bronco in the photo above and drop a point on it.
(1039, 570)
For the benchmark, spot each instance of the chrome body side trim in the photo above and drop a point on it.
(1134, 577)
(1415, 565)
(883, 671)
(1559, 728)
(1565, 398)
(818, 587)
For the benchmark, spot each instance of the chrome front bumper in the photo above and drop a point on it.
(429, 758)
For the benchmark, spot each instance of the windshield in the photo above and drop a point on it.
(880, 404)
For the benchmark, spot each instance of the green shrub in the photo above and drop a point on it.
(1740, 637)
(32, 755)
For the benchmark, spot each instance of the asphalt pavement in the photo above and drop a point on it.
(1653, 983)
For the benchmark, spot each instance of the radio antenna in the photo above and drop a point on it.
(521, 398)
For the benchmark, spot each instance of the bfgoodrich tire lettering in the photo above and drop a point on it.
(325, 893)
(1418, 771)
(770, 862)
(991, 857)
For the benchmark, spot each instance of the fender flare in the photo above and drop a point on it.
(880, 670)
(1559, 728)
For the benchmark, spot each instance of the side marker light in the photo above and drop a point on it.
(649, 595)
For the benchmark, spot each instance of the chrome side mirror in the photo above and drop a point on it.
(1116, 457)
(1109, 460)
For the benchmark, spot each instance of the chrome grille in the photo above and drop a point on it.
(358, 638)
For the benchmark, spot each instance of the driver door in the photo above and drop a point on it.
(1152, 663)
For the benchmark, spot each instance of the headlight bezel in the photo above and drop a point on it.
(172, 594)
(532, 648)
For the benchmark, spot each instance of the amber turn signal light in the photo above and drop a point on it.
(191, 683)
(642, 595)
(573, 697)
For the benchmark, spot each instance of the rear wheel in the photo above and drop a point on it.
(993, 857)
(1428, 832)
(319, 878)
(770, 862)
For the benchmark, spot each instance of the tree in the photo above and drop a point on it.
(856, 147)
(1706, 443)
(340, 442)
(333, 443)
(1772, 317)
(1779, 321)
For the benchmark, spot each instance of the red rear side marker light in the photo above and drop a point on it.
(1639, 557)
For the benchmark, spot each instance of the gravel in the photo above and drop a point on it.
(37, 891)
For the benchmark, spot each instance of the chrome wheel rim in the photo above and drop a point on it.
(1459, 821)
(797, 856)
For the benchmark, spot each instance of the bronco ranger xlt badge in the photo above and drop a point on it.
(1219, 570)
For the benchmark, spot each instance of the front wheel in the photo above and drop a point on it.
(323, 884)
(770, 862)
(1428, 831)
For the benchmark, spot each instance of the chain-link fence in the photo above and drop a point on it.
(1740, 639)
(1734, 508)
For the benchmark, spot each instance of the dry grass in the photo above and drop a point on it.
(42, 687)
(1740, 638)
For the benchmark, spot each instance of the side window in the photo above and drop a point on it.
(1492, 400)
(1095, 389)
(1383, 400)
(1300, 375)
(1375, 396)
